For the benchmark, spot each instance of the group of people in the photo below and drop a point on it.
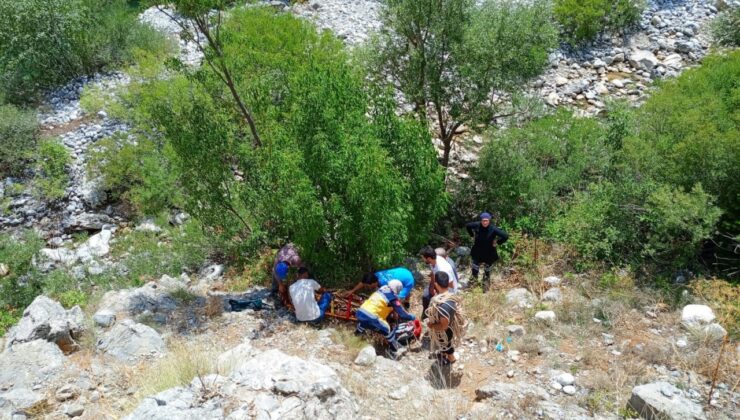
(442, 310)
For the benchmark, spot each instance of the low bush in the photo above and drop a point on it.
(18, 131)
(582, 20)
(21, 285)
(47, 42)
(725, 28)
(52, 159)
(138, 171)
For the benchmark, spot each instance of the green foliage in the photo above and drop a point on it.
(138, 171)
(645, 187)
(530, 172)
(688, 132)
(18, 132)
(582, 20)
(147, 256)
(21, 285)
(52, 160)
(47, 42)
(725, 28)
(337, 173)
(454, 56)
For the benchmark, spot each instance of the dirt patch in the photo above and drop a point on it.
(54, 131)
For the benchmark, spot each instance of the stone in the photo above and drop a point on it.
(569, 390)
(560, 81)
(89, 221)
(151, 297)
(149, 226)
(545, 316)
(601, 88)
(4, 270)
(229, 359)
(399, 393)
(681, 343)
(179, 218)
(516, 330)
(74, 410)
(366, 357)
(552, 281)
(608, 339)
(17, 400)
(651, 403)
(520, 297)
(92, 193)
(29, 365)
(96, 246)
(553, 411)
(599, 63)
(60, 255)
(502, 391)
(46, 319)
(619, 83)
(212, 273)
(714, 332)
(556, 386)
(565, 379)
(674, 61)
(104, 318)
(129, 342)
(643, 60)
(695, 315)
(510, 374)
(553, 295)
(67, 392)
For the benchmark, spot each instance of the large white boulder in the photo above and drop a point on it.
(129, 342)
(46, 319)
(697, 315)
(661, 400)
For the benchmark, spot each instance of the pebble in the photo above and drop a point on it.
(510, 374)
(570, 390)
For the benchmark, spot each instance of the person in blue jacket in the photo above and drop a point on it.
(383, 277)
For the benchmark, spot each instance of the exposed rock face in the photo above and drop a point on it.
(502, 391)
(520, 297)
(24, 369)
(128, 341)
(270, 385)
(152, 298)
(46, 319)
(661, 400)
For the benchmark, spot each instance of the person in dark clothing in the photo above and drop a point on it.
(487, 238)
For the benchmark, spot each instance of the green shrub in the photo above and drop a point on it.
(52, 160)
(47, 42)
(687, 133)
(725, 28)
(530, 172)
(136, 170)
(18, 132)
(21, 285)
(582, 20)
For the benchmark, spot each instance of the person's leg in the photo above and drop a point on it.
(474, 268)
(449, 351)
(425, 300)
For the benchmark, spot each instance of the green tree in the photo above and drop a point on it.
(582, 20)
(337, 171)
(453, 57)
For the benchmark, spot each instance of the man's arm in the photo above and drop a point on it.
(471, 227)
(354, 290)
(398, 307)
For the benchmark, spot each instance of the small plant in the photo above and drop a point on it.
(582, 20)
(183, 295)
(18, 131)
(52, 161)
(349, 340)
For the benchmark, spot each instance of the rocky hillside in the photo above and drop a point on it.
(544, 343)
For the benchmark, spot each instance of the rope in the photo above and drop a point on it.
(457, 323)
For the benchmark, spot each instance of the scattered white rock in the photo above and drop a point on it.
(570, 390)
(520, 297)
(553, 281)
(694, 315)
(546, 316)
(148, 225)
(553, 295)
(399, 393)
(46, 319)
(366, 357)
(104, 318)
(129, 342)
(516, 330)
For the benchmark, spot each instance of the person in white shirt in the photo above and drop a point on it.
(437, 264)
(302, 295)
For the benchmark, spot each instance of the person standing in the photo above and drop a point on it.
(446, 320)
(437, 264)
(487, 238)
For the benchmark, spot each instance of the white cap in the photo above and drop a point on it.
(396, 286)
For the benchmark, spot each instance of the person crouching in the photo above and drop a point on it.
(302, 295)
(374, 311)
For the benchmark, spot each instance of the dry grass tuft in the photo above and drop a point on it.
(347, 338)
(255, 273)
(214, 307)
